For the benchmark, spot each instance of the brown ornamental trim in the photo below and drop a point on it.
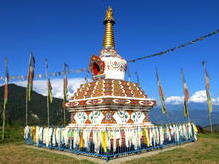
(111, 101)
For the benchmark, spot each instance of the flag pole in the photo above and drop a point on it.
(27, 93)
(86, 74)
(209, 101)
(186, 96)
(64, 95)
(129, 74)
(137, 78)
(5, 97)
(3, 124)
(47, 103)
(64, 115)
(162, 97)
(48, 111)
(30, 77)
(167, 117)
(210, 121)
(26, 105)
(65, 85)
(189, 119)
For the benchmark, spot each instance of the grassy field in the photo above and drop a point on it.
(17, 153)
(12, 135)
(206, 150)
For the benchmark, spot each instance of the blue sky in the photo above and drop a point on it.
(71, 31)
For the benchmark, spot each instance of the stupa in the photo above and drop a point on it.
(109, 116)
(109, 100)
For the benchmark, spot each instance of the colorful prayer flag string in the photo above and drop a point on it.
(177, 47)
(56, 74)
(43, 76)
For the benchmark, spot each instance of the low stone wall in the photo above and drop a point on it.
(110, 142)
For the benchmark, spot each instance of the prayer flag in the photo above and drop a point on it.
(49, 91)
(186, 95)
(207, 88)
(30, 76)
(161, 94)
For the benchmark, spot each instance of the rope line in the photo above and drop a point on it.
(177, 47)
(43, 76)
(56, 74)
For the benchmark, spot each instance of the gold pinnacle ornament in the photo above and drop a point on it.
(108, 41)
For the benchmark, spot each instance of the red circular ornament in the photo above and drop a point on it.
(96, 65)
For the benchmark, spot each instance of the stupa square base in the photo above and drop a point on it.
(111, 142)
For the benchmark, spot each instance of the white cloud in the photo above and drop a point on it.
(40, 86)
(174, 100)
(215, 101)
(197, 97)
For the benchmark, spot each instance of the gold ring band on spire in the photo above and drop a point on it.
(108, 40)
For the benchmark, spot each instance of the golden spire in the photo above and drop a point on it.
(108, 40)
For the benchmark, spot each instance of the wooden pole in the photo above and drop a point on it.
(207, 87)
(188, 114)
(65, 86)
(167, 117)
(3, 124)
(188, 118)
(210, 121)
(137, 78)
(129, 74)
(26, 106)
(46, 70)
(5, 97)
(48, 121)
(64, 116)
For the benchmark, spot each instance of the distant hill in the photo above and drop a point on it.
(199, 116)
(215, 128)
(15, 112)
(38, 112)
(192, 106)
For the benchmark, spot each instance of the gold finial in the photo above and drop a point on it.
(109, 15)
(108, 40)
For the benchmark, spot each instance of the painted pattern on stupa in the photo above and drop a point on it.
(110, 116)
(109, 99)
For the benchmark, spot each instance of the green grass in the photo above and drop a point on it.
(205, 150)
(13, 134)
(17, 153)
(13, 151)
